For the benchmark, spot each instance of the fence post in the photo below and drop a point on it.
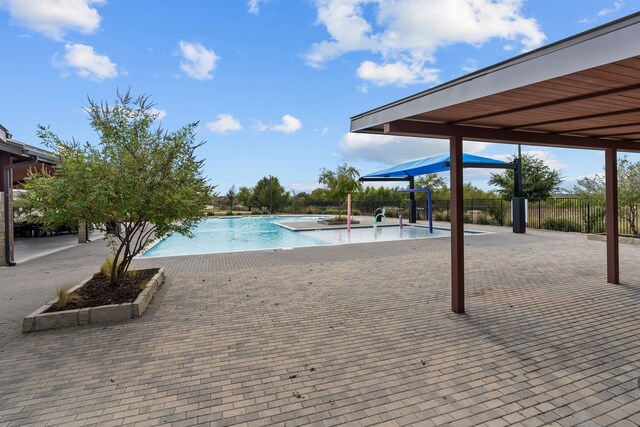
(588, 216)
(473, 218)
(539, 215)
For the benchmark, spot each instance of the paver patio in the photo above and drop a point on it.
(362, 333)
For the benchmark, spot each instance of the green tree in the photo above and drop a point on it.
(245, 197)
(231, 196)
(628, 193)
(539, 181)
(339, 183)
(145, 179)
(380, 194)
(470, 191)
(435, 183)
(592, 191)
(268, 193)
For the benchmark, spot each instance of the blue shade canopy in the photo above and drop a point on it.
(437, 163)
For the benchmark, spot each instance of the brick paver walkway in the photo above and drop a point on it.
(355, 335)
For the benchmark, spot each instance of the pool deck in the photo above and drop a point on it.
(358, 334)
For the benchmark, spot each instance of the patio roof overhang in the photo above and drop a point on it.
(581, 92)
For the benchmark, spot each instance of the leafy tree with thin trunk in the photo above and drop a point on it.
(628, 191)
(435, 183)
(339, 183)
(539, 180)
(268, 193)
(139, 176)
(245, 197)
(231, 196)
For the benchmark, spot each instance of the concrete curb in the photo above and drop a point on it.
(603, 238)
(41, 321)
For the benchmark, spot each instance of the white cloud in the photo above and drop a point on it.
(398, 73)
(160, 114)
(55, 17)
(225, 123)
(391, 150)
(254, 6)
(615, 7)
(407, 33)
(289, 125)
(469, 65)
(86, 62)
(299, 187)
(548, 158)
(260, 126)
(198, 61)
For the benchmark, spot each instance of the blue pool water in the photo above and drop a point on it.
(216, 235)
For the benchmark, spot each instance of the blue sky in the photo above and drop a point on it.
(273, 83)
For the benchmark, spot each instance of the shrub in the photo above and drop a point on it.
(593, 219)
(497, 211)
(311, 210)
(482, 219)
(441, 216)
(64, 297)
(560, 224)
(107, 266)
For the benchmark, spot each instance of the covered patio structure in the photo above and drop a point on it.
(16, 159)
(581, 92)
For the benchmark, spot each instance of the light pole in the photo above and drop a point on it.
(271, 194)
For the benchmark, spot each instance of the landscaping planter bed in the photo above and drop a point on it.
(46, 318)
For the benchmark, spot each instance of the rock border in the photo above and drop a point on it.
(39, 320)
(621, 239)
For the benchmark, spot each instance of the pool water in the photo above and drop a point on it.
(216, 235)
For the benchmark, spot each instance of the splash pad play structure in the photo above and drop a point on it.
(442, 162)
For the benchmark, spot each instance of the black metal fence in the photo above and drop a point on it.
(560, 214)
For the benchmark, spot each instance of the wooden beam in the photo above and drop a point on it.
(475, 133)
(457, 226)
(602, 127)
(583, 97)
(611, 178)
(576, 118)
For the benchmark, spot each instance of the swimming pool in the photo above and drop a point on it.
(216, 235)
